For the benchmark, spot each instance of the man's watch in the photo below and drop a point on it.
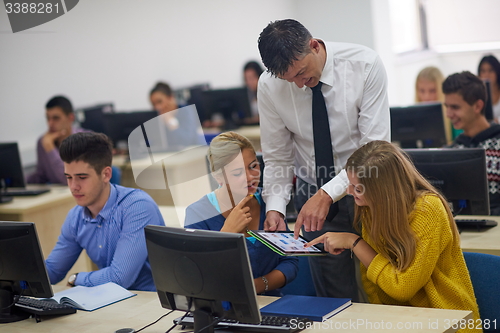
(72, 280)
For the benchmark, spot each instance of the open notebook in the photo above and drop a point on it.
(92, 298)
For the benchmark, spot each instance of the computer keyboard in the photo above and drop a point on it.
(268, 324)
(43, 307)
(23, 192)
(475, 223)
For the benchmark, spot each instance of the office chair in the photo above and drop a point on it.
(303, 283)
(484, 270)
(116, 176)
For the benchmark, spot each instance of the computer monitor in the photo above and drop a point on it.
(460, 175)
(488, 106)
(118, 126)
(196, 98)
(91, 118)
(22, 268)
(11, 170)
(233, 104)
(418, 126)
(193, 95)
(205, 272)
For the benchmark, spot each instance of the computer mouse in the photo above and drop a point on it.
(125, 330)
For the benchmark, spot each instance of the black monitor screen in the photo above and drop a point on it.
(488, 105)
(22, 268)
(418, 126)
(460, 175)
(207, 272)
(91, 118)
(11, 170)
(232, 104)
(119, 125)
(196, 98)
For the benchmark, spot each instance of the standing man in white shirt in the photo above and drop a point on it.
(353, 83)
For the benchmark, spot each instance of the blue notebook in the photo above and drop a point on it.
(314, 308)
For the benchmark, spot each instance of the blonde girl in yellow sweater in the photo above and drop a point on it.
(410, 248)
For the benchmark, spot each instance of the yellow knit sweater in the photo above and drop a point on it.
(437, 277)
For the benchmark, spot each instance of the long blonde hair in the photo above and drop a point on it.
(432, 74)
(391, 187)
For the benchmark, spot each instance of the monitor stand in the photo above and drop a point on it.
(5, 199)
(8, 312)
(203, 321)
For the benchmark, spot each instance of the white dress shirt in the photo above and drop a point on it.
(355, 92)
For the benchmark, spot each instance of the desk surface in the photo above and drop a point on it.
(178, 178)
(29, 204)
(173, 216)
(145, 308)
(482, 241)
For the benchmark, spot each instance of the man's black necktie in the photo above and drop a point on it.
(323, 152)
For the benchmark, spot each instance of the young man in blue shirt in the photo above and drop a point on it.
(107, 222)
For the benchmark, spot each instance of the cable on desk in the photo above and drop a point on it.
(171, 328)
(157, 320)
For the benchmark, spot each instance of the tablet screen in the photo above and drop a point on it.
(287, 243)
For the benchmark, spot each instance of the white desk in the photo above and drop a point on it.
(252, 133)
(173, 216)
(158, 177)
(145, 308)
(482, 241)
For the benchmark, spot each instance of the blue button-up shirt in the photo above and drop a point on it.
(114, 240)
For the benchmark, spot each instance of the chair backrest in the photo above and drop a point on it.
(484, 270)
(303, 283)
(116, 176)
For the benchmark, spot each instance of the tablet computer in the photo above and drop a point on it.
(283, 243)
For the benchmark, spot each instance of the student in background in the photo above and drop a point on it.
(410, 247)
(182, 126)
(428, 89)
(107, 222)
(237, 206)
(465, 95)
(489, 69)
(60, 118)
(251, 72)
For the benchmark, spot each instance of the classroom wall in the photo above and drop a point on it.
(114, 51)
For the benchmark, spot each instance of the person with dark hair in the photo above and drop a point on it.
(318, 102)
(107, 222)
(489, 69)
(181, 125)
(60, 118)
(251, 74)
(464, 98)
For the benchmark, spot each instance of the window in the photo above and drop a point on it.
(445, 25)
